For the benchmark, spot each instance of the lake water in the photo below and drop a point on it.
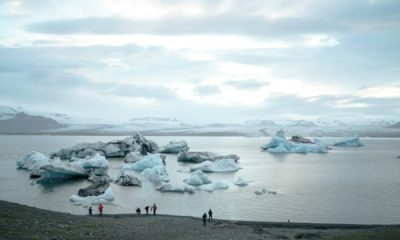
(346, 185)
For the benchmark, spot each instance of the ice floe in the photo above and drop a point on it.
(132, 157)
(156, 174)
(148, 161)
(33, 161)
(240, 181)
(222, 165)
(175, 147)
(198, 157)
(60, 172)
(349, 142)
(106, 198)
(214, 186)
(95, 161)
(94, 190)
(197, 178)
(126, 177)
(168, 187)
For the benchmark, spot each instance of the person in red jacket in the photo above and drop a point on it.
(100, 209)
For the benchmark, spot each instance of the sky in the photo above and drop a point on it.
(202, 61)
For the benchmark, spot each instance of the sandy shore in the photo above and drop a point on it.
(23, 222)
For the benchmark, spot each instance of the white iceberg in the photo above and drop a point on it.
(106, 198)
(126, 177)
(240, 181)
(95, 161)
(175, 147)
(59, 172)
(33, 161)
(156, 174)
(148, 161)
(222, 165)
(132, 157)
(168, 187)
(113, 150)
(279, 144)
(349, 142)
(214, 186)
(197, 178)
(198, 157)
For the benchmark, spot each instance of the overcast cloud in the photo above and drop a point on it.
(202, 61)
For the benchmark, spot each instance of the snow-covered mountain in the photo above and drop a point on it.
(7, 112)
(300, 123)
(260, 123)
(25, 123)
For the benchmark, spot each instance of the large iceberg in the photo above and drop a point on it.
(95, 161)
(33, 162)
(94, 190)
(197, 178)
(175, 147)
(62, 171)
(279, 144)
(156, 174)
(148, 161)
(106, 198)
(168, 187)
(133, 157)
(214, 186)
(198, 157)
(349, 142)
(222, 165)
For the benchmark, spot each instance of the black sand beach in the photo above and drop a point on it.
(23, 222)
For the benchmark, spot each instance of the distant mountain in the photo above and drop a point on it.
(7, 112)
(329, 123)
(396, 125)
(300, 123)
(260, 123)
(25, 123)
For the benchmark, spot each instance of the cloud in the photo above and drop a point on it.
(249, 84)
(207, 90)
(142, 91)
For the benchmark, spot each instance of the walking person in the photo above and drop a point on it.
(204, 219)
(147, 210)
(210, 215)
(154, 208)
(101, 209)
(90, 211)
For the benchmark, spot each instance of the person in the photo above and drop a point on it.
(147, 210)
(210, 215)
(204, 219)
(90, 211)
(154, 208)
(101, 209)
(138, 211)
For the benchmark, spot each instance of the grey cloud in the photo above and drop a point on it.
(249, 84)
(207, 90)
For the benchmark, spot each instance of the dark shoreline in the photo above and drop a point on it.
(24, 222)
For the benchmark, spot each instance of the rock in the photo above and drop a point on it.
(127, 178)
(175, 147)
(94, 190)
(198, 157)
(307, 236)
(132, 157)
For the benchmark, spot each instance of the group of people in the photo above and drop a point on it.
(138, 211)
(153, 208)
(210, 218)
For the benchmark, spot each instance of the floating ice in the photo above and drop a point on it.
(198, 157)
(127, 178)
(222, 165)
(148, 161)
(279, 144)
(156, 174)
(95, 161)
(94, 190)
(168, 187)
(264, 191)
(106, 198)
(175, 147)
(133, 157)
(240, 181)
(33, 161)
(197, 178)
(214, 186)
(349, 142)
(59, 172)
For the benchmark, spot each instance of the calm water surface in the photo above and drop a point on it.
(346, 185)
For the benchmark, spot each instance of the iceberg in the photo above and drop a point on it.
(240, 181)
(127, 178)
(349, 142)
(94, 190)
(148, 161)
(95, 161)
(214, 186)
(80, 150)
(222, 165)
(156, 174)
(279, 144)
(106, 198)
(197, 178)
(198, 157)
(33, 161)
(168, 187)
(175, 147)
(59, 172)
(114, 150)
(264, 191)
(132, 157)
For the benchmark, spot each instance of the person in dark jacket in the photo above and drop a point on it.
(90, 211)
(147, 210)
(210, 215)
(204, 219)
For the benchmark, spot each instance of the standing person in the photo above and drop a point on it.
(204, 219)
(90, 211)
(138, 210)
(154, 208)
(210, 215)
(100, 209)
(147, 210)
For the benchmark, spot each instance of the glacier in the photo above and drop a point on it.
(222, 165)
(197, 178)
(214, 186)
(175, 147)
(198, 157)
(279, 144)
(349, 142)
